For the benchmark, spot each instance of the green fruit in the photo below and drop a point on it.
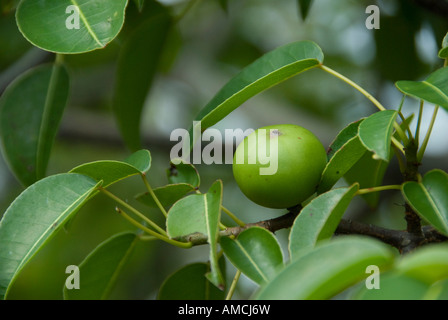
(300, 157)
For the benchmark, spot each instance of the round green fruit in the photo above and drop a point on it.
(282, 176)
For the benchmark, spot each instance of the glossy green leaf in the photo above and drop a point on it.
(428, 264)
(199, 213)
(328, 269)
(341, 162)
(434, 89)
(35, 216)
(167, 195)
(183, 173)
(443, 53)
(133, 81)
(304, 6)
(369, 173)
(342, 154)
(375, 132)
(190, 283)
(110, 171)
(319, 219)
(430, 198)
(100, 269)
(269, 70)
(256, 252)
(393, 286)
(343, 137)
(30, 112)
(70, 26)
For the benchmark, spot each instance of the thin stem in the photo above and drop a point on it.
(187, 8)
(377, 189)
(153, 233)
(398, 145)
(401, 162)
(419, 122)
(59, 60)
(354, 85)
(233, 285)
(401, 133)
(146, 238)
(233, 217)
(133, 210)
(154, 197)
(421, 152)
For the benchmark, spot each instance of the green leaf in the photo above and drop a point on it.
(428, 264)
(326, 270)
(438, 291)
(256, 252)
(189, 283)
(52, 25)
(183, 173)
(319, 219)
(304, 6)
(375, 132)
(35, 216)
(267, 71)
(99, 270)
(199, 213)
(341, 162)
(393, 286)
(430, 198)
(133, 80)
(167, 195)
(30, 112)
(369, 173)
(443, 53)
(343, 137)
(110, 171)
(434, 89)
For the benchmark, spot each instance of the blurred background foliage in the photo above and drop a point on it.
(211, 42)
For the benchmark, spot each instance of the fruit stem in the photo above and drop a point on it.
(354, 85)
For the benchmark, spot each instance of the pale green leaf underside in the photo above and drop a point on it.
(434, 89)
(375, 132)
(430, 198)
(44, 23)
(256, 252)
(319, 219)
(428, 264)
(110, 171)
(327, 269)
(34, 217)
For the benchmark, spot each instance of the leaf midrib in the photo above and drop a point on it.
(38, 241)
(86, 23)
(252, 84)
